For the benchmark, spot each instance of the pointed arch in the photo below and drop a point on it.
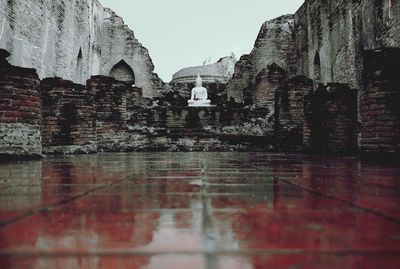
(123, 72)
(317, 68)
(79, 67)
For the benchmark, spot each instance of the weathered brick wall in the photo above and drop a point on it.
(274, 44)
(111, 111)
(331, 119)
(39, 35)
(68, 114)
(380, 102)
(20, 110)
(289, 110)
(331, 36)
(175, 128)
(267, 82)
(240, 88)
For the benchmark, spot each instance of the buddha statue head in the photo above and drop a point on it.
(199, 81)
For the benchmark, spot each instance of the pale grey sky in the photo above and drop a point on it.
(183, 33)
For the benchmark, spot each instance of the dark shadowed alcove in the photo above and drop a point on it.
(122, 72)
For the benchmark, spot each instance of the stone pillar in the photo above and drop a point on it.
(20, 110)
(289, 110)
(380, 102)
(111, 112)
(331, 119)
(68, 117)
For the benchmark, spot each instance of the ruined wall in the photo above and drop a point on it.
(380, 102)
(267, 82)
(289, 110)
(119, 43)
(111, 112)
(20, 110)
(331, 36)
(274, 44)
(331, 119)
(39, 35)
(166, 128)
(68, 115)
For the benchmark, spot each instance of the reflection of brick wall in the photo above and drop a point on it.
(68, 113)
(331, 119)
(380, 102)
(20, 109)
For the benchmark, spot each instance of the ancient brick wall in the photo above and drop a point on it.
(289, 110)
(267, 82)
(331, 119)
(68, 114)
(380, 102)
(242, 84)
(331, 36)
(274, 44)
(38, 35)
(111, 111)
(20, 110)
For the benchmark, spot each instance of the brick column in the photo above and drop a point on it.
(20, 110)
(111, 112)
(380, 102)
(331, 119)
(68, 114)
(289, 110)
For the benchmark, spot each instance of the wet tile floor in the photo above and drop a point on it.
(199, 210)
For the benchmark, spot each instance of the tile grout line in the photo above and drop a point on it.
(62, 202)
(130, 253)
(369, 210)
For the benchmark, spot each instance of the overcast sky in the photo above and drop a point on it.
(183, 33)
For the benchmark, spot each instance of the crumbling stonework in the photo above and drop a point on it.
(20, 110)
(331, 119)
(267, 82)
(289, 110)
(324, 41)
(380, 102)
(38, 35)
(111, 111)
(68, 115)
(274, 44)
(177, 128)
(331, 36)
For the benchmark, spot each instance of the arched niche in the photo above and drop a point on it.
(317, 68)
(79, 67)
(122, 72)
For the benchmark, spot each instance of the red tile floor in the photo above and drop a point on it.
(199, 210)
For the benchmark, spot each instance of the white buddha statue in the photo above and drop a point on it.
(199, 94)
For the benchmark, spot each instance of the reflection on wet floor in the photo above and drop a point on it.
(199, 210)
